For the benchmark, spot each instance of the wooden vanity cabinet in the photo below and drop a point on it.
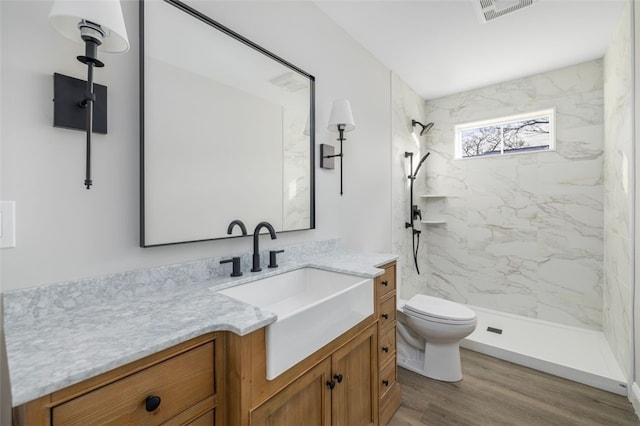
(178, 386)
(306, 401)
(389, 388)
(339, 390)
(220, 379)
(354, 371)
(364, 356)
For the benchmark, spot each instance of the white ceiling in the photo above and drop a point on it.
(439, 47)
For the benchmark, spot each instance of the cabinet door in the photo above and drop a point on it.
(354, 369)
(306, 401)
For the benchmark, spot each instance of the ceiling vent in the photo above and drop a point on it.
(488, 10)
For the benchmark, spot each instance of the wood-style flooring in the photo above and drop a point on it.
(496, 392)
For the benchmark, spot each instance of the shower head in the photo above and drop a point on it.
(425, 128)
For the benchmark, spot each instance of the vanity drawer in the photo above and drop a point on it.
(180, 382)
(386, 282)
(387, 345)
(387, 377)
(387, 314)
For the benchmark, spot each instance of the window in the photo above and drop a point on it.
(516, 134)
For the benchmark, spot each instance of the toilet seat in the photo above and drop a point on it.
(439, 310)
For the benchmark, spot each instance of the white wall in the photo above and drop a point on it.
(67, 232)
(635, 349)
(5, 397)
(523, 232)
(618, 112)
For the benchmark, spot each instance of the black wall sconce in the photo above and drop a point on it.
(340, 121)
(79, 105)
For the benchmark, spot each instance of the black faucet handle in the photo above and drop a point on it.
(272, 258)
(236, 266)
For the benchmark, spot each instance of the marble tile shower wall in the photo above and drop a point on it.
(618, 140)
(523, 233)
(406, 105)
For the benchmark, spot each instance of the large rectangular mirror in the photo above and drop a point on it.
(226, 130)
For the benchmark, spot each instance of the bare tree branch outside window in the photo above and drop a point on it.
(532, 134)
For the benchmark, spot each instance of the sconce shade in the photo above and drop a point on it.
(66, 14)
(341, 115)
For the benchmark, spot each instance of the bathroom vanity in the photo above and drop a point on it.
(218, 375)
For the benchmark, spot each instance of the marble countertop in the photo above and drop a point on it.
(48, 352)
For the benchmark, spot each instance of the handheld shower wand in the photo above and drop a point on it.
(419, 164)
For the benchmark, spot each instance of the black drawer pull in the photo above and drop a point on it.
(331, 384)
(385, 283)
(385, 316)
(385, 349)
(152, 403)
(338, 377)
(385, 382)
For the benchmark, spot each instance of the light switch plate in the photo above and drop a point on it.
(7, 224)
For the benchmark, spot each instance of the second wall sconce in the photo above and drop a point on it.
(97, 24)
(340, 121)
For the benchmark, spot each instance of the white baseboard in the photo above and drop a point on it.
(634, 396)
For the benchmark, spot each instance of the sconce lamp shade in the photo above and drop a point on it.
(341, 116)
(65, 16)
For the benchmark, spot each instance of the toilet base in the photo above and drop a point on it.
(413, 359)
(442, 362)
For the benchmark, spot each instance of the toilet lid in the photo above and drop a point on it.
(439, 308)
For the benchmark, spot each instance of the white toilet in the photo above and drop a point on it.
(433, 328)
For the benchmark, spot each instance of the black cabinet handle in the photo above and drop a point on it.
(331, 384)
(338, 377)
(152, 403)
(385, 283)
(385, 382)
(385, 316)
(385, 349)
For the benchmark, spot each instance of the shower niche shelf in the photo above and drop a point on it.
(434, 209)
(433, 222)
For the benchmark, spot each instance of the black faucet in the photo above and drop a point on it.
(256, 251)
(240, 224)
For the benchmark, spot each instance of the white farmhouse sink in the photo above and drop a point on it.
(313, 307)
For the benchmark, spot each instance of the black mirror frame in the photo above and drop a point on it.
(216, 25)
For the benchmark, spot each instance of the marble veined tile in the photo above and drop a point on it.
(576, 143)
(618, 130)
(518, 304)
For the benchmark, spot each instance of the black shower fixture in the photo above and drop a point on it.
(425, 128)
(414, 210)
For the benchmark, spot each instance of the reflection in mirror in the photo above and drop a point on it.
(227, 131)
